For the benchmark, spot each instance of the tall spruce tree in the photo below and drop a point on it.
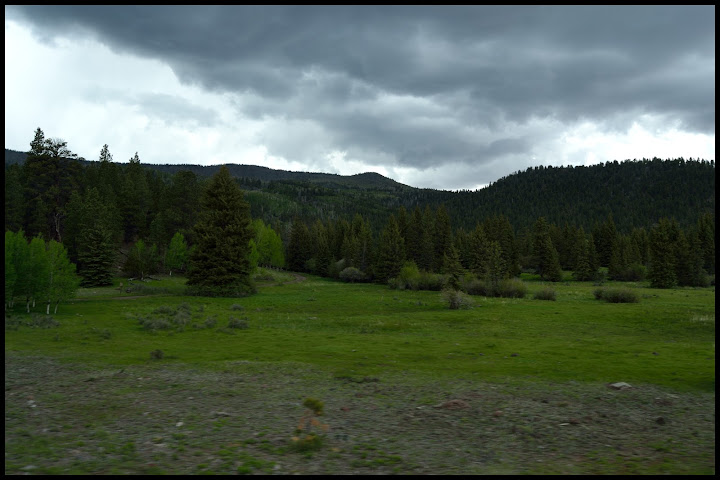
(220, 261)
(391, 252)
(662, 255)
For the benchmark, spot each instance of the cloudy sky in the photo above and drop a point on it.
(437, 97)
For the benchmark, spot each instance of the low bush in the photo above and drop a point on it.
(351, 275)
(239, 323)
(456, 299)
(546, 293)
(616, 295)
(511, 288)
(475, 286)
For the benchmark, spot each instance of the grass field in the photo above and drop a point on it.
(316, 337)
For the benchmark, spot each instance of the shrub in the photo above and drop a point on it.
(456, 299)
(157, 354)
(511, 288)
(475, 286)
(616, 295)
(546, 293)
(434, 282)
(210, 322)
(236, 306)
(240, 323)
(352, 275)
(409, 277)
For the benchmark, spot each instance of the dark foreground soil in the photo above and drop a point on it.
(162, 418)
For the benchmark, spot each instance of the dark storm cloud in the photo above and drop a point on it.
(413, 82)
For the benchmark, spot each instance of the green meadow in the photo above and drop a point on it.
(667, 338)
(363, 334)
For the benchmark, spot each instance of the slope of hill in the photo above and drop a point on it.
(636, 193)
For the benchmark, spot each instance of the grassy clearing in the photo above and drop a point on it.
(665, 339)
(389, 356)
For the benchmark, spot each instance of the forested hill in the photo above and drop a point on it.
(637, 193)
(254, 172)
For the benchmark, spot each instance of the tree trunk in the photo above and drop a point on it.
(47, 311)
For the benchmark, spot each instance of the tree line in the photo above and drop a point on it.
(123, 218)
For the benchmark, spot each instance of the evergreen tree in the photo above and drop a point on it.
(391, 252)
(546, 256)
(220, 263)
(584, 268)
(94, 240)
(495, 268)
(414, 238)
(604, 237)
(50, 175)
(705, 228)
(689, 261)
(299, 247)
(442, 236)
(134, 200)
(662, 256)
(452, 267)
(478, 252)
(321, 252)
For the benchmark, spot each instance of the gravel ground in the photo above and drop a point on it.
(163, 418)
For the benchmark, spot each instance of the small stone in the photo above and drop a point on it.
(497, 413)
(513, 354)
(660, 421)
(620, 386)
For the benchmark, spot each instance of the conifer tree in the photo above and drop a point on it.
(452, 267)
(391, 252)
(299, 247)
(583, 264)
(442, 236)
(95, 241)
(546, 256)
(662, 256)
(220, 263)
(495, 268)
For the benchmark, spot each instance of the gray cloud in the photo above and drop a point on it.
(423, 85)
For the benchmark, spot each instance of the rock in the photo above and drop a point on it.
(497, 413)
(513, 354)
(660, 421)
(620, 386)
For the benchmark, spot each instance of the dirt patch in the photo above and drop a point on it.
(173, 419)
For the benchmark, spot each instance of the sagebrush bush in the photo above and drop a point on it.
(352, 275)
(240, 323)
(616, 295)
(236, 306)
(456, 299)
(546, 293)
(475, 286)
(511, 288)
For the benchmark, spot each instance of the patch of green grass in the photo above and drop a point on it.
(366, 330)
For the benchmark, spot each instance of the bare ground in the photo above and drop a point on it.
(176, 419)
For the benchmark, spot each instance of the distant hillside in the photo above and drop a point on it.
(635, 193)
(363, 180)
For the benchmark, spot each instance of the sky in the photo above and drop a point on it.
(444, 97)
